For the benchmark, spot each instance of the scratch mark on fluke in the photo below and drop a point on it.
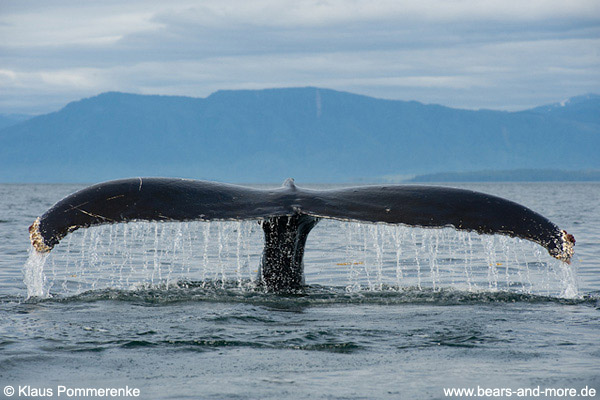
(287, 214)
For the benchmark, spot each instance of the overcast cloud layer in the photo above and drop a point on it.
(501, 54)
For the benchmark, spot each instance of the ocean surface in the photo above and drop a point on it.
(390, 312)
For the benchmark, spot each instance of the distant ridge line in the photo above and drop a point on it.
(516, 175)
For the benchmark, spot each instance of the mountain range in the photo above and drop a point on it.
(311, 134)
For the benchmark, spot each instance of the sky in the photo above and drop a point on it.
(497, 54)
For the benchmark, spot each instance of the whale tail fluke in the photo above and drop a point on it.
(289, 213)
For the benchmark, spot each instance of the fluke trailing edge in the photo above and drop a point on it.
(288, 214)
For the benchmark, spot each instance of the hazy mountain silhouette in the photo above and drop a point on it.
(314, 135)
(513, 175)
(7, 120)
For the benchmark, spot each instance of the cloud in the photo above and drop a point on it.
(71, 27)
(465, 53)
(314, 13)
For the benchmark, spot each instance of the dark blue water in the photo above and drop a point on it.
(390, 312)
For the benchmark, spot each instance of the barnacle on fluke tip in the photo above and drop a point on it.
(36, 238)
(568, 250)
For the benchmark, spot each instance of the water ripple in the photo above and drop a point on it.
(311, 296)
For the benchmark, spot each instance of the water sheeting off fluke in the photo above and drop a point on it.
(356, 258)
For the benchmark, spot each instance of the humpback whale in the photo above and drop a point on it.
(287, 214)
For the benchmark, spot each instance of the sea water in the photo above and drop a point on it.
(390, 312)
